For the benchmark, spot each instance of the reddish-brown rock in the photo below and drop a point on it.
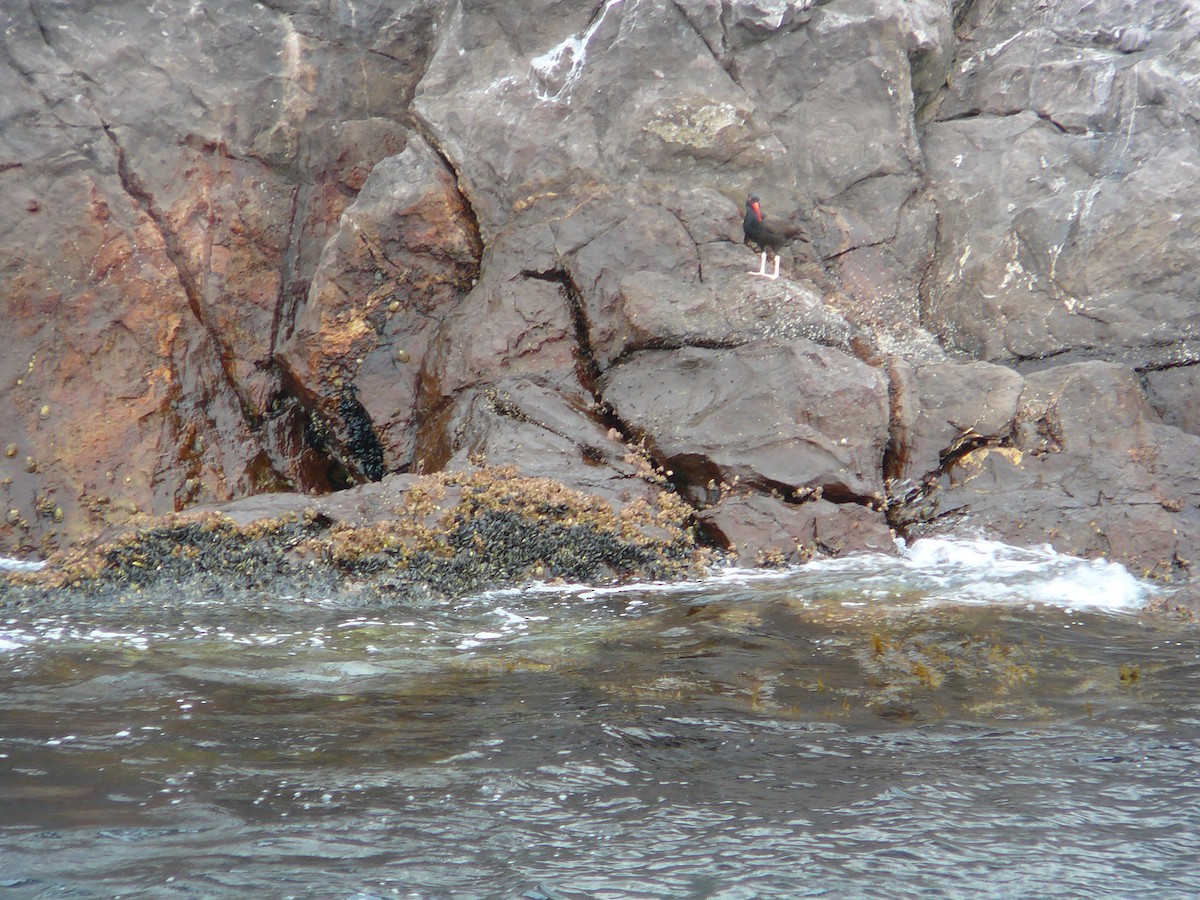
(403, 256)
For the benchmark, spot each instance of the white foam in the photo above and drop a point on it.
(588, 592)
(937, 570)
(976, 571)
(19, 565)
(17, 636)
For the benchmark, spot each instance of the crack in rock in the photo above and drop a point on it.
(586, 366)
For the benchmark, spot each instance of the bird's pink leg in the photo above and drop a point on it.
(762, 267)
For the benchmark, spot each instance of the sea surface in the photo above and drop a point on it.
(964, 720)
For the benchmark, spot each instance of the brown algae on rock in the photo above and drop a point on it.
(451, 534)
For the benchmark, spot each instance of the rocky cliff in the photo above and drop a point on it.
(303, 244)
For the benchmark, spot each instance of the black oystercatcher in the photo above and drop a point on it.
(774, 236)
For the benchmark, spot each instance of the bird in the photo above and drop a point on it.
(764, 235)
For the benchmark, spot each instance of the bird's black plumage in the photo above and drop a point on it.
(765, 235)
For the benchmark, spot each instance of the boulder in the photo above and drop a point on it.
(1091, 470)
(953, 408)
(790, 416)
(404, 255)
(546, 432)
(1175, 395)
(763, 530)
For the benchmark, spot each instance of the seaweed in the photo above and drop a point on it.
(454, 534)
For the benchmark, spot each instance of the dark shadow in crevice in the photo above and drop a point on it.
(304, 440)
(361, 441)
(587, 369)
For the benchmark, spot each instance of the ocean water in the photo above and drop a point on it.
(964, 720)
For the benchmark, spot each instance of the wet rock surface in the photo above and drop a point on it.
(278, 248)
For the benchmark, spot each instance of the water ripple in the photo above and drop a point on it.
(824, 732)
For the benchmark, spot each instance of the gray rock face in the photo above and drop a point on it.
(954, 406)
(791, 416)
(1089, 468)
(294, 245)
(1175, 395)
(1063, 157)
